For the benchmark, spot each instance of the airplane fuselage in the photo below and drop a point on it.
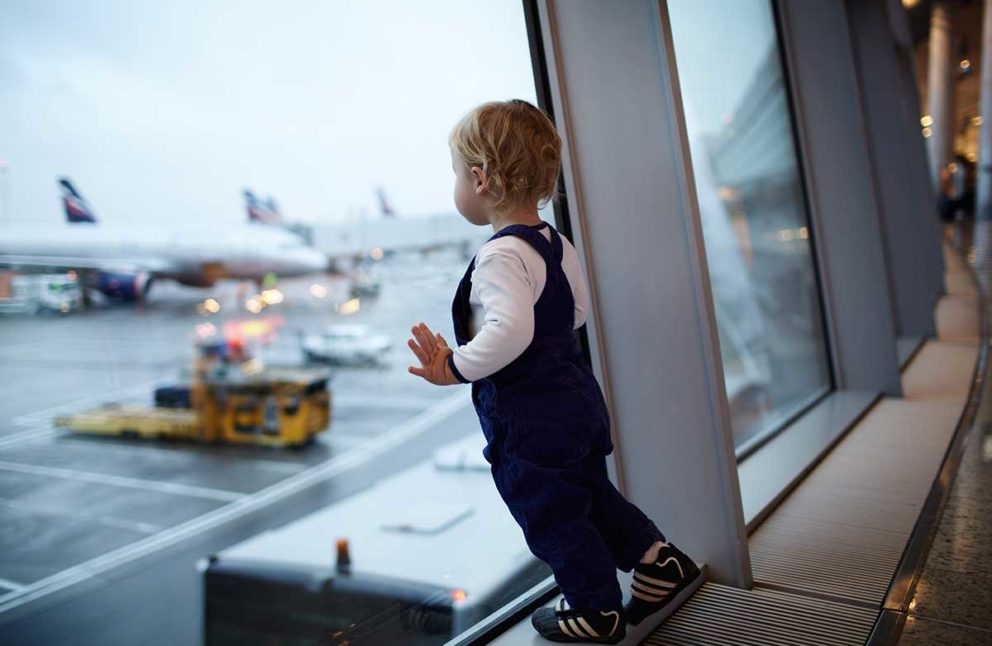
(195, 255)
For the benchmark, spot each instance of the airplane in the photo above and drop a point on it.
(122, 261)
(358, 238)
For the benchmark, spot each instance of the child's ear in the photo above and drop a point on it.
(481, 180)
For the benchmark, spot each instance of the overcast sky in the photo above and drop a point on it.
(164, 111)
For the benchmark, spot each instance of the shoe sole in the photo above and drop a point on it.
(675, 599)
(616, 639)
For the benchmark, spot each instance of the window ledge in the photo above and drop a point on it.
(770, 473)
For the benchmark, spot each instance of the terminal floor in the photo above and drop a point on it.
(823, 561)
(953, 600)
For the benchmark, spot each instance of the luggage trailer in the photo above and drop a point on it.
(233, 401)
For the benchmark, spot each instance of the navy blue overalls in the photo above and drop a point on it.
(548, 434)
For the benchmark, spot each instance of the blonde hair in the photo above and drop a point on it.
(516, 145)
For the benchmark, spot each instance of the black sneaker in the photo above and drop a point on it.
(656, 584)
(564, 624)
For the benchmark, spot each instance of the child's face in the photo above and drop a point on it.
(471, 198)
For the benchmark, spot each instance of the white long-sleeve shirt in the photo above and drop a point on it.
(508, 279)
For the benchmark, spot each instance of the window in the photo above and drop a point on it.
(231, 183)
(755, 226)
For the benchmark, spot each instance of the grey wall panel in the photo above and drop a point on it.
(636, 224)
(843, 205)
(907, 229)
(917, 182)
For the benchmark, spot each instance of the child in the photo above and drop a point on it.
(542, 412)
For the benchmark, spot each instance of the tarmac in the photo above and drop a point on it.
(99, 536)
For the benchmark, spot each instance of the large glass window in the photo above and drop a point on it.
(755, 225)
(221, 219)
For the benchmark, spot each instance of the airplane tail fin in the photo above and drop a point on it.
(264, 211)
(384, 206)
(77, 209)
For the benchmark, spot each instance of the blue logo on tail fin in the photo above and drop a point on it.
(77, 209)
(265, 211)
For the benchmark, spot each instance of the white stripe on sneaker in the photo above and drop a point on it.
(564, 628)
(575, 627)
(649, 589)
(647, 597)
(589, 629)
(649, 580)
(672, 559)
(616, 619)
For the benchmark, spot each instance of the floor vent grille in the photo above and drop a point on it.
(723, 615)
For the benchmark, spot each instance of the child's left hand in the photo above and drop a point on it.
(432, 351)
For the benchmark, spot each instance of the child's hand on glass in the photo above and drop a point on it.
(432, 351)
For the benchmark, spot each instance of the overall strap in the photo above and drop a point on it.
(533, 235)
(556, 248)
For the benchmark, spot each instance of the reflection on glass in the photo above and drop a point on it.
(754, 220)
(145, 262)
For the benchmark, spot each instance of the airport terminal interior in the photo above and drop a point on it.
(220, 221)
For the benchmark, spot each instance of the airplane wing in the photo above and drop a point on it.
(122, 265)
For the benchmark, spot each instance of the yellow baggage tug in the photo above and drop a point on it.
(232, 399)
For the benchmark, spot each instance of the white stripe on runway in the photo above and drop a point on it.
(26, 436)
(106, 521)
(179, 449)
(123, 481)
(248, 504)
(7, 583)
(346, 440)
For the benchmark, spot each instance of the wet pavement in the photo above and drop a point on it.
(79, 512)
